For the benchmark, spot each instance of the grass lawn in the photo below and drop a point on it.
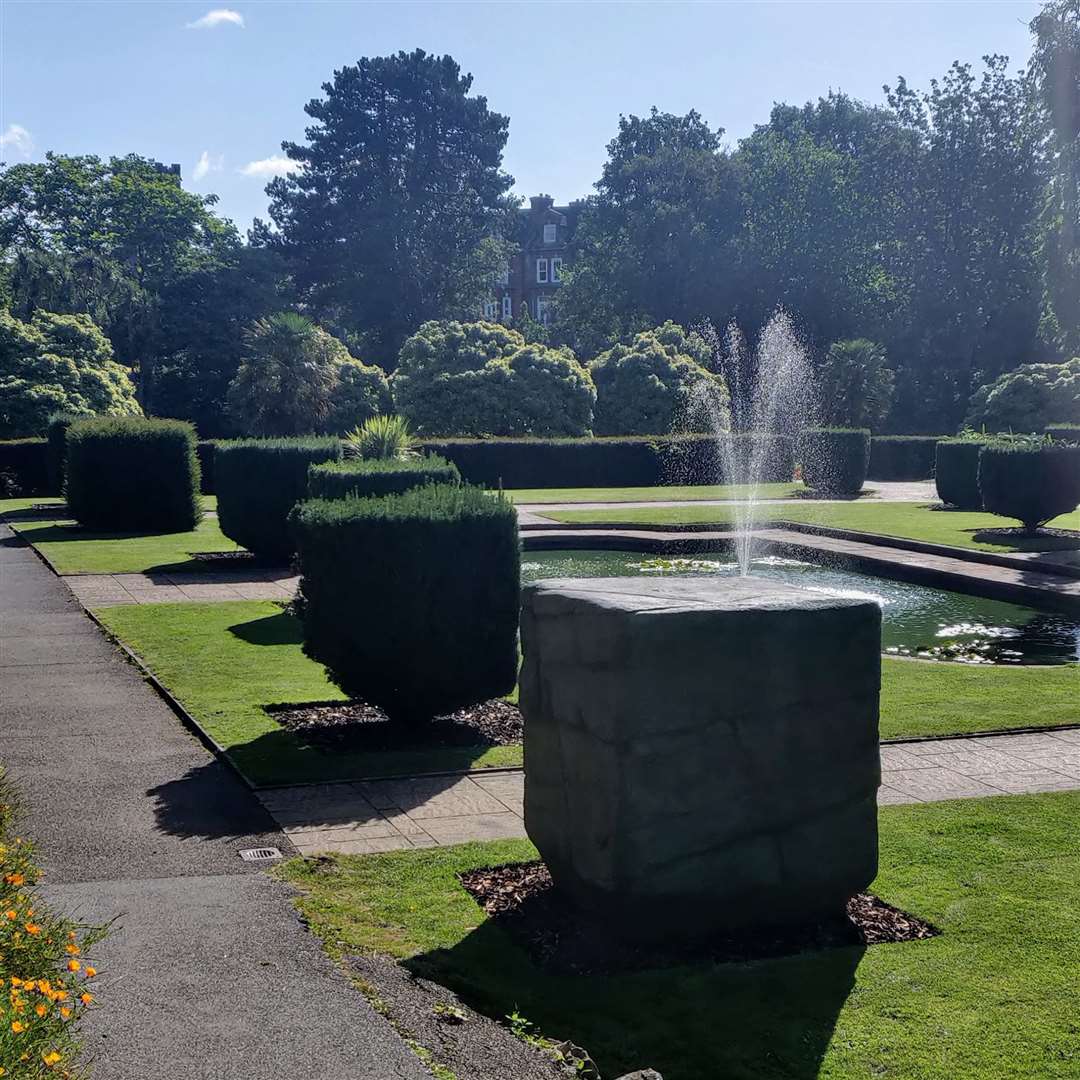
(10, 506)
(684, 493)
(73, 550)
(225, 661)
(996, 996)
(910, 520)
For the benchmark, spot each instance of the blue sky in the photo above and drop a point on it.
(161, 78)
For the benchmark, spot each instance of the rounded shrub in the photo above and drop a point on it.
(1032, 484)
(902, 457)
(411, 601)
(258, 482)
(366, 477)
(956, 472)
(834, 460)
(133, 474)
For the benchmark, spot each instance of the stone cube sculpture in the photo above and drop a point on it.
(701, 753)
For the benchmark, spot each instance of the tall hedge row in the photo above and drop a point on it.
(1064, 432)
(834, 460)
(366, 478)
(129, 473)
(1032, 484)
(24, 467)
(258, 482)
(411, 601)
(902, 457)
(956, 472)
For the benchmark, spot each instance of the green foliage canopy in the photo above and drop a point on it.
(1029, 398)
(854, 385)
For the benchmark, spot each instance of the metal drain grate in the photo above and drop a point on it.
(260, 854)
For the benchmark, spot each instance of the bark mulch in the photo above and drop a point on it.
(234, 560)
(354, 725)
(524, 901)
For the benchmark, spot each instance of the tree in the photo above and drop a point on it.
(651, 385)
(57, 363)
(297, 379)
(657, 240)
(390, 216)
(484, 379)
(854, 384)
(1028, 398)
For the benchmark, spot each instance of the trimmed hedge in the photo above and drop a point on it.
(956, 472)
(376, 476)
(411, 601)
(834, 460)
(24, 467)
(258, 482)
(56, 435)
(129, 473)
(205, 450)
(633, 461)
(902, 457)
(1034, 485)
(1064, 432)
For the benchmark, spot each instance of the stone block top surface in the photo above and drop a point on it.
(672, 595)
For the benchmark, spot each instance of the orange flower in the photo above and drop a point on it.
(11, 914)
(51, 1058)
(90, 971)
(15, 879)
(33, 928)
(73, 965)
(86, 998)
(65, 1012)
(73, 949)
(17, 1026)
(40, 1009)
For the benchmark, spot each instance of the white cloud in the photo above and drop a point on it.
(17, 140)
(274, 165)
(217, 17)
(207, 164)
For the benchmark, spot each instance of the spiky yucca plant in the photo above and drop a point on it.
(382, 437)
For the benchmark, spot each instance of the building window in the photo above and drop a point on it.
(491, 309)
(541, 271)
(550, 234)
(504, 277)
(543, 310)
(508, 307)
(556, 269)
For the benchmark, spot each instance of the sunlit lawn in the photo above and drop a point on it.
(995, 996)
(910, 520)
(682, 493)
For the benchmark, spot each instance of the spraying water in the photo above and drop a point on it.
(770, 395)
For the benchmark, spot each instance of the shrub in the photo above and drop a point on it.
(205, 451)
(481, 378)
(1069, 433)
(902, 457)
(56, 434)
(360, 478)
(854, 385)
(834, 460)
(411, 601)
(1033, 484)
(1028, 398)
(649, 386)
(956, 471)
(296, 379)
(58, 363)
(258, 482)
(381, 437)
(702, 459)
(129, 473)
(24, 467)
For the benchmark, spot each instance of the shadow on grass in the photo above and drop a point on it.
(1021, 540)
(766, 1020)
(280, 629)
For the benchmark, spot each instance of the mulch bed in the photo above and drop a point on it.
(354, 725)
(234, 560)
(523, 900)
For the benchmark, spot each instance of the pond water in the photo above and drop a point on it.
(916, 620)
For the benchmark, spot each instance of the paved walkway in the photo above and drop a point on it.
(388, 815)
(208, 974)
(105, 590)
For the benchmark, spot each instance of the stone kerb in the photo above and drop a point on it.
(701, 754)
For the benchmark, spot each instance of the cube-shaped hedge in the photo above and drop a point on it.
(834, 460)
(411, 601)
(1032, 484)
(364, 478)
(24, 467)
(258, 482)
(956, 472)
(902, 457)
(128, 473)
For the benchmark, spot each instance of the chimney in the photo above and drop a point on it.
(541, 202)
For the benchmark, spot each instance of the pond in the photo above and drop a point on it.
(917, 620)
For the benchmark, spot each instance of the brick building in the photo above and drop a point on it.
(533, 275)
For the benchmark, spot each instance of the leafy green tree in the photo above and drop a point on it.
(57, 363)
(854, 385)
(297, 379)
(1028, 398)
(657, 240)
(484, 379)
(651, 385)
(391, 215)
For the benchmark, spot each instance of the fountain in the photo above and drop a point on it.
(770, 394)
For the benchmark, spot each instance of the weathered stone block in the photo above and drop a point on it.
(701, 753)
